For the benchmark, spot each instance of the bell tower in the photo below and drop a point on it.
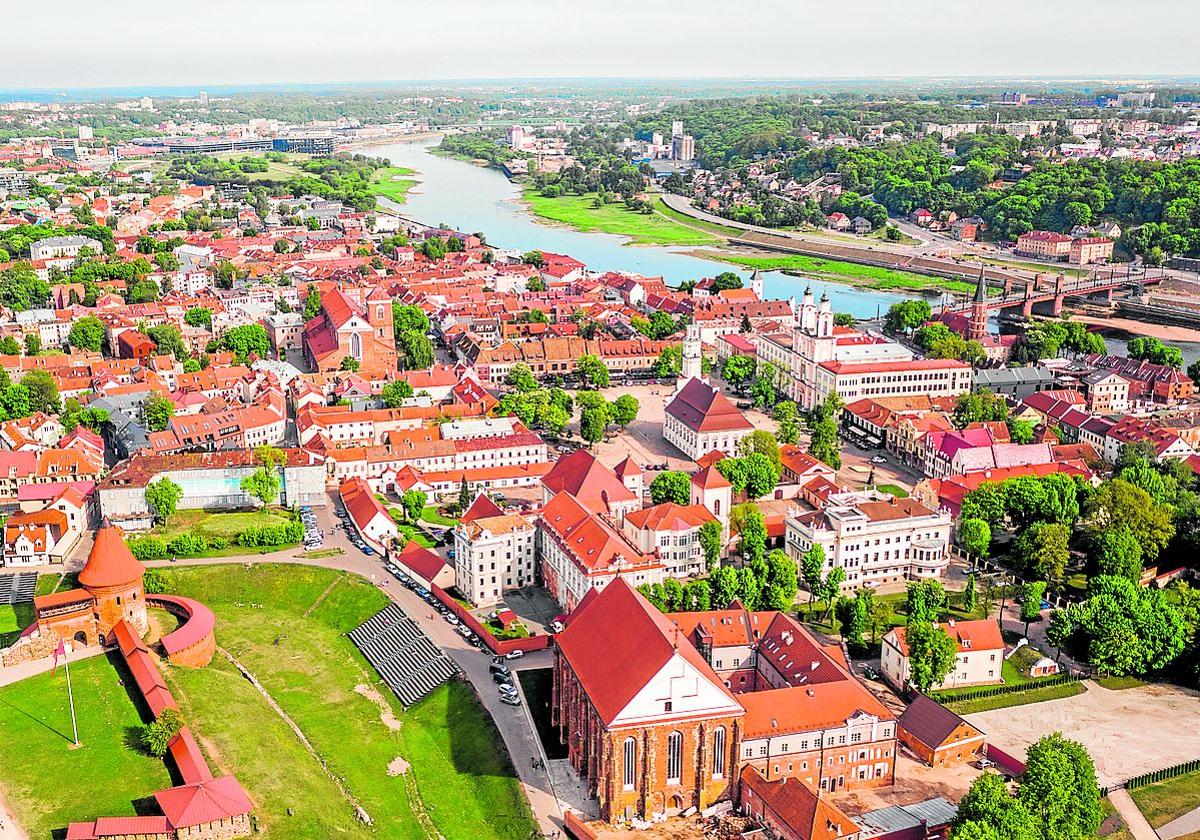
(692, 366)
(977, 328)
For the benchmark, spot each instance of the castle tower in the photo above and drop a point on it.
(378, 310)
(692, 367)
(113, 577)
(977, 328)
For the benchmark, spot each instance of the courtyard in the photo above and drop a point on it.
(1127, 732)
(438, 768)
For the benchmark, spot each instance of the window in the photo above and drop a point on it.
(629, 763)
(674, 757)
(719, 753)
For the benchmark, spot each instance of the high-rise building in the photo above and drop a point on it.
(85, 132)
(677, 128)
(683, 147)
(203, 98)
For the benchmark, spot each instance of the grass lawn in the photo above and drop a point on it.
(13, 619)
(1017, 698)
(430, 513)
(577, 212)
(391, 182)
(662, 209)
(871, 276)
(411, 532)
(287, 625)
(47, 783)
(226, 525)
(1120, 684)
(896, 601)
(1163, 801)
(894, 489)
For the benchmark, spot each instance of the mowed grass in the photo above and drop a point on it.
(1016, 698)
(862, 275)
(220, 524)
(459, 777)
(430, 513)
(13, 619)
(49, 784)
(391, 182)
(1164, 801)
(643, 229)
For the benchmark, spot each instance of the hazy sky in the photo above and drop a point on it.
(135, 42)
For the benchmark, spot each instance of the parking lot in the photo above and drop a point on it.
(1127, 732)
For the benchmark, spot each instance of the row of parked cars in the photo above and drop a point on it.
(352, 534)
(502, 677)
(313, 538)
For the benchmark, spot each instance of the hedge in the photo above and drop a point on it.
(187, 545)
(954, 696)
(1161, 775)
(271, 535)
(148, 548)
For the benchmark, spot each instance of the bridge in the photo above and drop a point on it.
(1045, 288)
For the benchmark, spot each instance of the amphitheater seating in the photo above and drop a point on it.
(17, 588)
(410, 664)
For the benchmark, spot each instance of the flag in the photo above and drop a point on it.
(61, 650)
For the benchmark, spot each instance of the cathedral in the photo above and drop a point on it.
(357, 329)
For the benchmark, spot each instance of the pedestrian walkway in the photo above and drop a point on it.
(16, 673)
(1189, 823)
(1129, 811)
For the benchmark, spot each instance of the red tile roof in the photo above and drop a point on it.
(796, 805)
(110, 563)
(703, 408)
(589, 481)
(204, 802)
(482, 508)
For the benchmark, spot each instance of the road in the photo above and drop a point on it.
(549, 786)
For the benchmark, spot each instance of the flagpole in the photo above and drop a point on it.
(71, 697)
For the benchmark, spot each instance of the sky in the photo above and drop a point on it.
(80, 43)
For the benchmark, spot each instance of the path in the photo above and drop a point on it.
(1189, 823)
(1128, 809)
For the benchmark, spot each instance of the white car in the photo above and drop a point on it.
(514, 654)
(879, 459)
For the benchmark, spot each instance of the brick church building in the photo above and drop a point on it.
(358, 329)
(661, 713)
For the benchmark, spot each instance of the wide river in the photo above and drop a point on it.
(473, 198)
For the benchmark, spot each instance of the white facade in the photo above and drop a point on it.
(493, 555)
(971, 666)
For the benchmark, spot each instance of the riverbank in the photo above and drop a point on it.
(582, 213)
(847, 273)
(1131, 328)
(391, 141)
(392, 182)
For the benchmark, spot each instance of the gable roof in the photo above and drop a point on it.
(929, 721)
(799, 807)
(589, 481)
(703, 408)
(482, 508)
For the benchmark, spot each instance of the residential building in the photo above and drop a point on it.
(493, 554)
(1044, 244)
(874, 538)
(1090, 249)
(979, 659)
(672, 532)
(937, 736)
(371, 519)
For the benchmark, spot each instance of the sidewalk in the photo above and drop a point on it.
(1189, 823)
(1128, 809)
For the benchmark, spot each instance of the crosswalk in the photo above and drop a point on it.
(17, 588)
(410, 664)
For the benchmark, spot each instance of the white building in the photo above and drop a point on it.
(492, 555)
(673, 533)
(979, 660)
(63, 246)
(874, 538)
(369, 516)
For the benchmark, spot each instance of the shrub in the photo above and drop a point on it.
(266, 536)
(148, 548)
(187, 545)
(156, 735)
(154, 582)
(217, 543)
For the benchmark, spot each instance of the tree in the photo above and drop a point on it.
(43, 391)
(737, 370)
(979, 407)
(624, 410)
(262, 484)
(710, 543)
(1042, 550)
(724, 581)
(312, 302)
(157, 735)
(1123, 628)
(968, 594)
(931, 654)
(593, 421)
(521, 377)
(1118, 504)
(669, 362)
(781, 583)
(975, 536)
(592, 371)
(671, 486)
(1059, 789)
(157, 412)
(989, 812)
(168, 340)
(417, 350)
(787, 429)
(907, 315)
(9, 346)
(246, 339)
(831, 586)
(853, 618)
(762, 442)
(349, 363)
(753, 536)
(198, 316)
(812, 567)
(761, 474)
(924, 601)
(1118, 553)
(395, 393)
(1031, 604)
(163, 497)
(533, 258)
(87, 334)
(413, 502)
(33, 344)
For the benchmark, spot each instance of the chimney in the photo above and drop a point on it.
(950, 622)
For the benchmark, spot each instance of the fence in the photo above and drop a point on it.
(1159, 775)
(946, 697)
(496, 646)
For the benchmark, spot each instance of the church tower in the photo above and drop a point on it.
(756, 284)
(977, 328)
(692, 364)
(825, 317)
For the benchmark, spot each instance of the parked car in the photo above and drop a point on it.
(510, 699)
(745, 406)
(878, 459)
(498, 668)
(500, 679)
(453, 619)
(508, 689)
(514, 654)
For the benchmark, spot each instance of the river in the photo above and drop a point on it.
(473, 198)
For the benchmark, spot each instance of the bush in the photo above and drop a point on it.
(267, 536)
(187, 545)
(154, 582)
(148, 548)
(158, 734)
(218, 543)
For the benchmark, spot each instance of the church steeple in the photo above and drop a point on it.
(977, 327)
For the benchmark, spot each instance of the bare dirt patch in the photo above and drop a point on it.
(397, 767)
(385, 711)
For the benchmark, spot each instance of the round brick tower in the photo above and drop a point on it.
(113, 577)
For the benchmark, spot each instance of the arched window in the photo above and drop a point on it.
(674, 757)
(719, 753)
(629, 764)
(356, 346)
